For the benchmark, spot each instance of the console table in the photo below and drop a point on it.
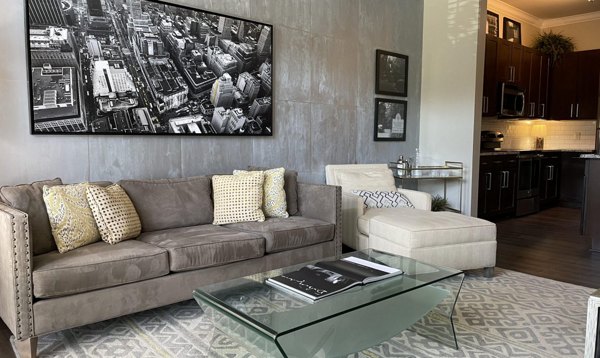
(450, 171)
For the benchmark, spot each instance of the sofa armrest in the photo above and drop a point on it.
(419, 199)
(322, 202)
(16, 296)
(352, 208)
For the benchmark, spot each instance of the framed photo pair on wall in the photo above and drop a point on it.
(391, 79)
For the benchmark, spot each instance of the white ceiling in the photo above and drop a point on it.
(551, 9)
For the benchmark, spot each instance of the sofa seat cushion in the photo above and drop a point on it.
(412, 228)
(201, 246)
(95, 266)
(291, 233)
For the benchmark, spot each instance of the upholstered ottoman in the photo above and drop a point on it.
(440, 238)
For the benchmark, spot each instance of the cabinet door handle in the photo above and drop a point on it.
(485, 104)
(543, 107)
(512, 74)
(488, 181)
(571, 116)
(533, 109)
(552, 172)
(577, 111)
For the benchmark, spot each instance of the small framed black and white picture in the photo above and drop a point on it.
(512, 30)
(391, 74)
(493, 24)
(390, 120)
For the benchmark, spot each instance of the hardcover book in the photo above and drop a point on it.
(326, 278)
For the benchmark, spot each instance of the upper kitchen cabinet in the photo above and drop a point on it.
(534, 75)
(574, 89)
(518, 65)
(508, 62)
(490, 81)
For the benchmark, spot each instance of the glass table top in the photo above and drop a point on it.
(274, 311)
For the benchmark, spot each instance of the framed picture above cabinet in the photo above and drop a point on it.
(493, 24)
(512, 30)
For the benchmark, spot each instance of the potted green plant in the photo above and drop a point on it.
(554, 45)
(438, 203)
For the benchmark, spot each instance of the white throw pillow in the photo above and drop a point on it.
(238, 198)
(382, 180)
(384, 199)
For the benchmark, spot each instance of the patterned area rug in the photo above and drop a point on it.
(509, 315)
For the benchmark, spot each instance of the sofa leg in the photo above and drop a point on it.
(488, 272)
(27, 348)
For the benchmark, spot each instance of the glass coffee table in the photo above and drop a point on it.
(271, 322)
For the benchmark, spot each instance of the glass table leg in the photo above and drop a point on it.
(438, 324)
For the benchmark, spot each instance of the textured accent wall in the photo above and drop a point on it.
(323, 99)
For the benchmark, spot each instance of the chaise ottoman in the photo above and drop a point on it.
(440, 238)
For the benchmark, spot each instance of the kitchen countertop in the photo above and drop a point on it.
(517, 151)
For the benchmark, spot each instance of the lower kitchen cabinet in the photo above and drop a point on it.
(497, 185)
(549, 180)
(571, 180)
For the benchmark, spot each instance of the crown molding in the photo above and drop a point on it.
(567, 20)
(514, 13)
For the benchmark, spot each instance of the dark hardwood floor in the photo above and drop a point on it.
(545, 244)
(548, 244)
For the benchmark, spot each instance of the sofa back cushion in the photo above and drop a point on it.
(29, 199)
(171, 203)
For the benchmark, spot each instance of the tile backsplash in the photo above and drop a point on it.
(571, 134)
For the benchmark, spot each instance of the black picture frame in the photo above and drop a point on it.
(391, 73)
(492, 24)
(511, 30)
(390, 120)
(147, 69)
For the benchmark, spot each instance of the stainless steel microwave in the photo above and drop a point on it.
(512, 101)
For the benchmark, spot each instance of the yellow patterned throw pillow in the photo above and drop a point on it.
(114, 213)
(274, 203)
(238, 198)
(71, 219)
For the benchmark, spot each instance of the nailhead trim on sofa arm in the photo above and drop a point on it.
(16, 291)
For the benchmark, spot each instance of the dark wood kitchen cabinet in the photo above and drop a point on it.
(574, 88)
(508, 62)
(497, 185)
(522, 66)
(490, 80)
(535, 75)
(549, 179)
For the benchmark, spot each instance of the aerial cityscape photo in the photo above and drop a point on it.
(145, 67)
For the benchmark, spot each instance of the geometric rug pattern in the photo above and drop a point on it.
(510, 315)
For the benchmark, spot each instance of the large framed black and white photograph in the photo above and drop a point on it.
(391, 74)
(390, 119)
(146, 67)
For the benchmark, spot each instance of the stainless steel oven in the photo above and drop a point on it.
(528, 189)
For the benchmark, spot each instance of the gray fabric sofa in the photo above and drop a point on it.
(42, 291)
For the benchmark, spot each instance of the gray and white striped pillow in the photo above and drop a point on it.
(384, 199)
